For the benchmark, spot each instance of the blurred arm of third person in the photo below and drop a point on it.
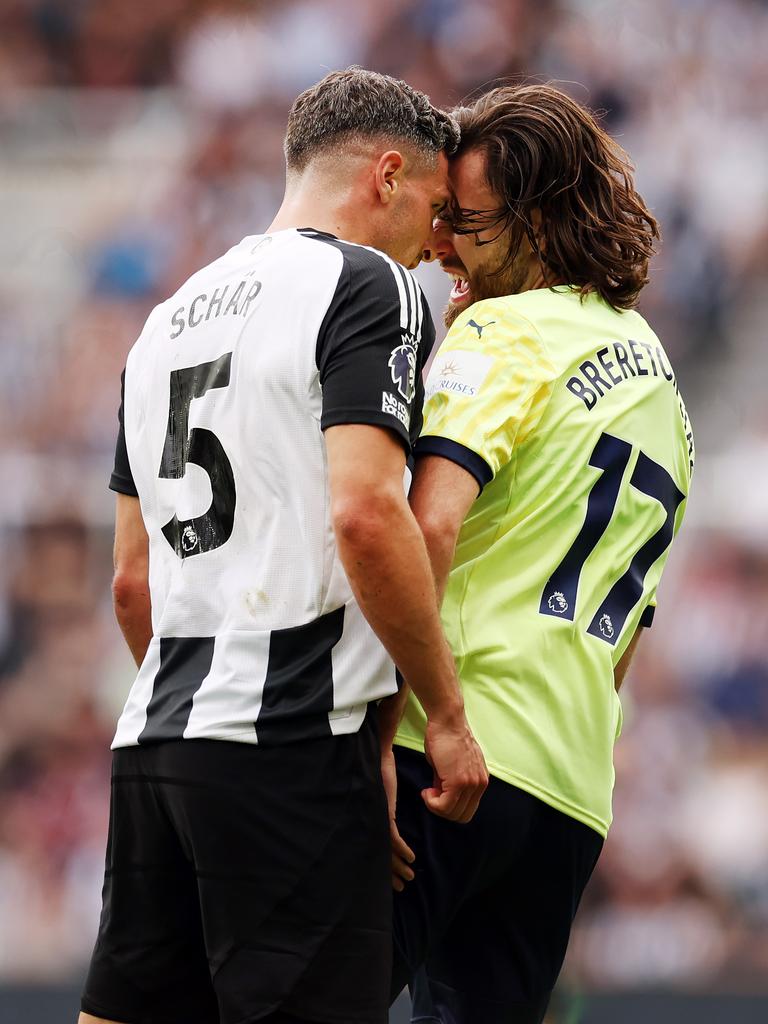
(385, 558)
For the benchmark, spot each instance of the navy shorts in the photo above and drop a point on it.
(480, 934)
(245, 881)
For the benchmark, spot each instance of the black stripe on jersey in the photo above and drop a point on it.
(473, 463)
(184, 663)
(298, 689)
(415, 308)
(409, 303)
(372, 343)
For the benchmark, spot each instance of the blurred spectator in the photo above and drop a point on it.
(139, 141)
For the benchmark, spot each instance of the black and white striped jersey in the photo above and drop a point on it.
(257, 636)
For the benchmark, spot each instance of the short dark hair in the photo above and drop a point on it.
(544, 150)
(364, 103)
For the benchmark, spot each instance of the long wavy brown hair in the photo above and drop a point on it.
(546, 152)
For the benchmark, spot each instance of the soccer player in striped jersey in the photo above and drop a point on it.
(266, 560)
(552, 474)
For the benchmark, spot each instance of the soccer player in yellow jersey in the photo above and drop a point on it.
(554, 466)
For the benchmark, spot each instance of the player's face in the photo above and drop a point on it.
(423, 194)
(475, 260)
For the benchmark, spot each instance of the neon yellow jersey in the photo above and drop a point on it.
(570, 416)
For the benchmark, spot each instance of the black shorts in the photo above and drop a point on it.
(481, 932)
(244, 880)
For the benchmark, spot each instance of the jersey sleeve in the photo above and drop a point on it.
(372, 346)
(487, 390)
(646, 619)
(122, 477)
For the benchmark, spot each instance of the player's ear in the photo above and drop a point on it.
(388, 175)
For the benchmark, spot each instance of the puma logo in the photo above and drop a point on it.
(480, 327)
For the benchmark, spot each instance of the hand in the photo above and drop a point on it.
(402, 855)
(460, 775)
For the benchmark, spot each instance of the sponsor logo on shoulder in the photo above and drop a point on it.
(449, 368)
(392, 405)
(480, 327)
(459, 373)
(402, 366)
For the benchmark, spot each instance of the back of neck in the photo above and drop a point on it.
(318, 200)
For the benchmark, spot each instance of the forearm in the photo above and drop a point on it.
(440, 497)
(130, 583)
(385, 557)
(623, 666)
(391, 710)
(388, 569)
(133, 612)
(441, 548)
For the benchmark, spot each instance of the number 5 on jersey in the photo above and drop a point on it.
(213, 528)
(558, 599)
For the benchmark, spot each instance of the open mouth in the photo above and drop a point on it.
(461, 292)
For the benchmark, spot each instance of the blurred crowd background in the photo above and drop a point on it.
(140, 140)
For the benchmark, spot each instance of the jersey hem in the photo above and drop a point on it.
(249, 737)
(218, 737)
(457, 452)
(121, 485)
(366, 417)
(521, 782)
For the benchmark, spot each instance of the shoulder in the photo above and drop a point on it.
(158, 316)
(365, 263)
(361, 260)
(498, 327)
(488, 318)
(369, 275)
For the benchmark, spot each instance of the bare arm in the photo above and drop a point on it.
(385, 558)
(390, 712)
(441, 495)
(623, 664)
(130, 584)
